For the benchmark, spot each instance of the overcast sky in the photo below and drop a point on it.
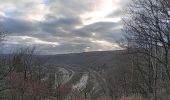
(61, 26)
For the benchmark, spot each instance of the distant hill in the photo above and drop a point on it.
(89, 59)
(96, 59)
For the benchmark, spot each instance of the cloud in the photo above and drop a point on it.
(18, 26)
(62, 26)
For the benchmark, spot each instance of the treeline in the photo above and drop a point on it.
(147, 39)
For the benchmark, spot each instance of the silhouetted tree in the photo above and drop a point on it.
(148, 35)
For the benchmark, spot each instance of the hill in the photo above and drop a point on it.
(88, 59)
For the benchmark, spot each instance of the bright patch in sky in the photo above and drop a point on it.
(93, 34)
(105, 43)
(31, 40)
(100, 12)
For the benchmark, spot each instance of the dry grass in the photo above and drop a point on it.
(103, 98)
(131, 98)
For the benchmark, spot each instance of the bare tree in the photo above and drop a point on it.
(148, 35)
(5, 68)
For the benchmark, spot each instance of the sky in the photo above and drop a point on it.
(61, 26)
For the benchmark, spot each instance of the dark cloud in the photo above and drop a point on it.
(60, 27)
(18, 26)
